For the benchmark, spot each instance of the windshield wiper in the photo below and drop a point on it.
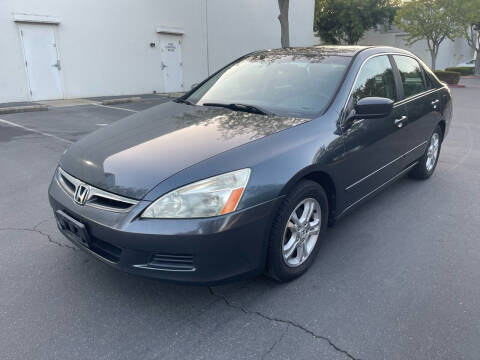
(240, 107)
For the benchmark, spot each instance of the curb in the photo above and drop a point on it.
(121, 100)
(25, 108)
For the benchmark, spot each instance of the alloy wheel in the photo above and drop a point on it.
(432, 152)
(301, 232)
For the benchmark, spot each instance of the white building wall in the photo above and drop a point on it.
(450, 53)
(238, 27)
(104, 46)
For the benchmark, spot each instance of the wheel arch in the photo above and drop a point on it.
(322, 178)
(443, 126)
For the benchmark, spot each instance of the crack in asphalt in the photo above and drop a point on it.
(264, 356)
(283, 321)
(35, 229)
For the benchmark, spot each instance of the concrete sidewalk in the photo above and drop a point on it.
(470, 81)
(21, 106)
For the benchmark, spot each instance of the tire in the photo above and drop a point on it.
(426, 164)
(306, 195)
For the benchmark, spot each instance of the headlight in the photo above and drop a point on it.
(214, 196)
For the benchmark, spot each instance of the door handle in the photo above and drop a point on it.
(435, 103)
(163, 65)
(399, 122)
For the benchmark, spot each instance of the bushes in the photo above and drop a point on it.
(463, 70)
(450, 77)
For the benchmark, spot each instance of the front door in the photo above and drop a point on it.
(373, 147)
(172, 67)
(42, 61)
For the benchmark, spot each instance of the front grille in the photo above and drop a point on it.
(68, 185)
(104, 202)
(172, 262)
(96, 197)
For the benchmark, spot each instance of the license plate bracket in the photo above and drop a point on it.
(72, 228)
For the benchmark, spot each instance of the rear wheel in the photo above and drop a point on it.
(428, 162)
(299, 223)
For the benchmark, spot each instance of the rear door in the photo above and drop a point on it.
(373, 147)
(423, 103)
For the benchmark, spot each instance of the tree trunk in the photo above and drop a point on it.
(477, 64)
(433, 54)
(476, 47)
(473, 39)
(283, 18)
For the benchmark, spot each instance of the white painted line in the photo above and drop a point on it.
(114, 107)
(101, 124)
(35, 131)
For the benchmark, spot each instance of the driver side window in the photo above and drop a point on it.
(375, 79)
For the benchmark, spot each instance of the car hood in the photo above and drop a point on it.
(134, 154)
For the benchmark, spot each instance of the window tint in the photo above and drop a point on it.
(375, 80)
(412, 75)
(299, 85)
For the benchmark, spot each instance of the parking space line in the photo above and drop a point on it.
(35, 131)
(114, 107)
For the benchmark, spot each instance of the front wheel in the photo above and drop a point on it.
(296, 231)
(428, 162)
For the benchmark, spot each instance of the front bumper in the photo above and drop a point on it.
(203, 251)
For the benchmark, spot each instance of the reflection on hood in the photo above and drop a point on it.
(134, 154)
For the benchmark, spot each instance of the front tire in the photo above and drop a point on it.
(428, 162)
(296, 231)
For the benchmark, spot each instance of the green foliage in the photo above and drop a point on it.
(346, 21)
(450, 77)
(467, 18)
(431, 20)
(427, 19)
(461, 69)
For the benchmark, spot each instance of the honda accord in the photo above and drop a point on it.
(244, 173)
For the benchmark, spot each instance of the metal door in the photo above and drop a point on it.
(373, 147)
(423, 104)
(172, 69)
(42, 61)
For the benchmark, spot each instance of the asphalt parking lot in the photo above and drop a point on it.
(399, 278)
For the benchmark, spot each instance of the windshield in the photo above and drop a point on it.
(286, 85)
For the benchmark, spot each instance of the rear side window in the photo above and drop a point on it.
(375, 79)
(412, 75)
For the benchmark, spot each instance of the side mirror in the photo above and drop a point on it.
(373, 107)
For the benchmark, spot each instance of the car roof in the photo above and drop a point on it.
(339, 50)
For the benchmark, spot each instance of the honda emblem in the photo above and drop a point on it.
(81, 194)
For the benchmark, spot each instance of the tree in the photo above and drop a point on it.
(430, 20)
(467, 13)
(346, 21)
(283, 18)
